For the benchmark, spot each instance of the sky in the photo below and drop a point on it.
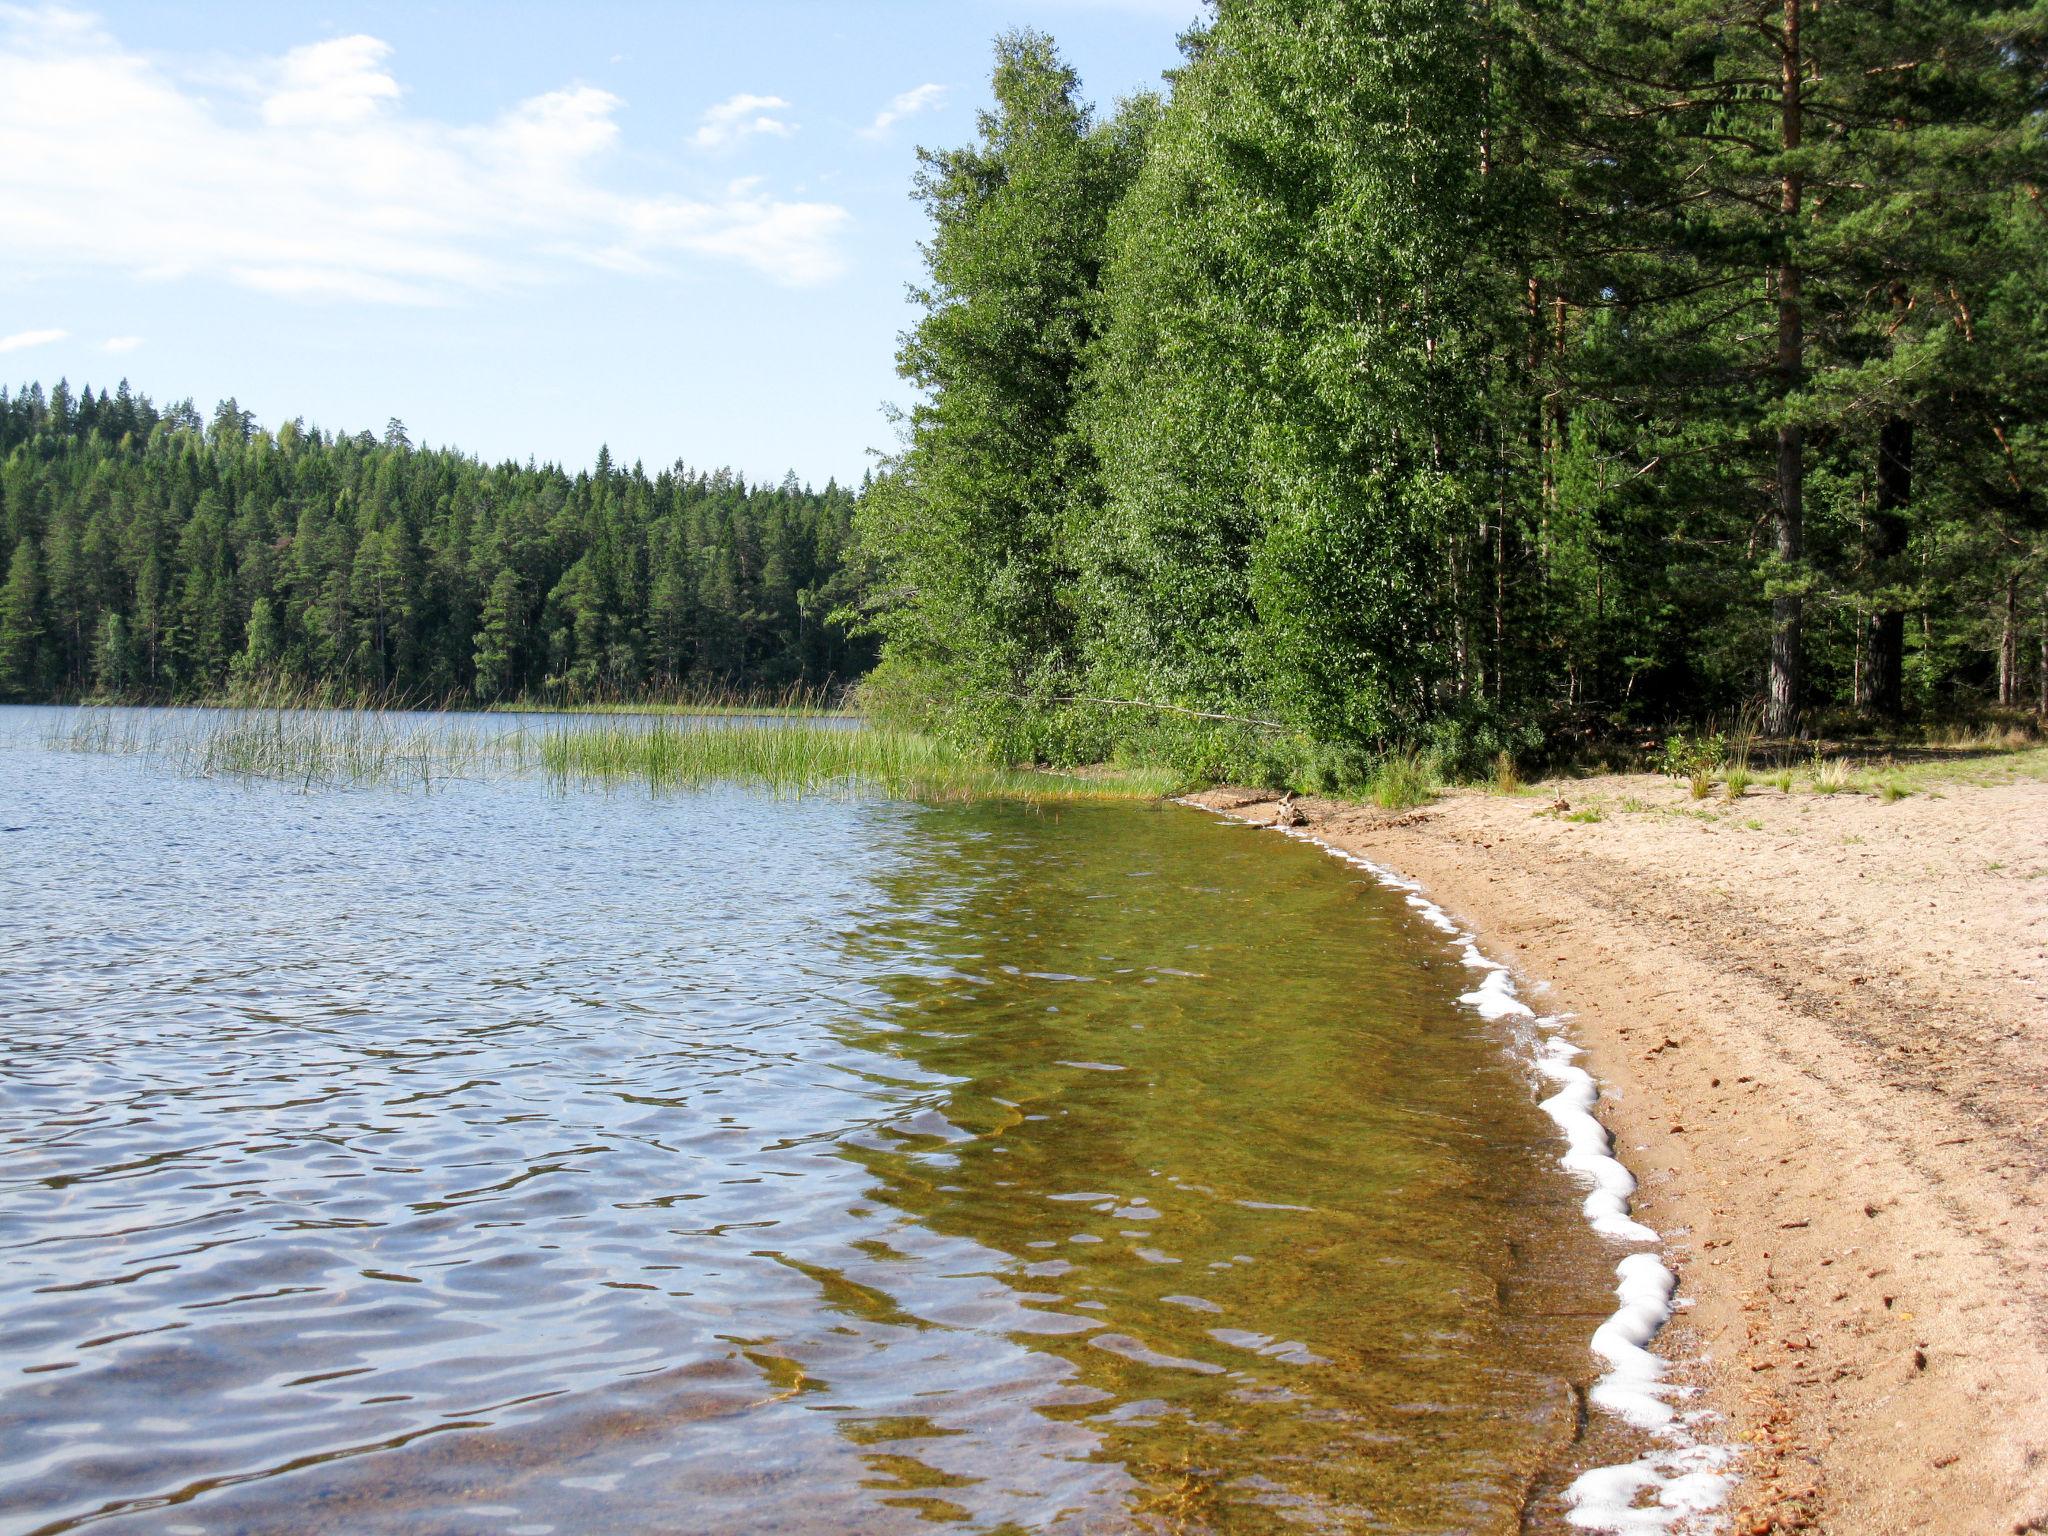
(678, 228)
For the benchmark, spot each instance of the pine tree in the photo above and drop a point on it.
(21, 623)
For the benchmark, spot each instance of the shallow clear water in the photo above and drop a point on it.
(496, 1160)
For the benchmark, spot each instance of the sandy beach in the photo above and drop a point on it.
(1820, 1027)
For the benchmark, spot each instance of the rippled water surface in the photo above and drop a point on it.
(498, 1160)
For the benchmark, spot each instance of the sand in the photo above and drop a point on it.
(1820, 1027)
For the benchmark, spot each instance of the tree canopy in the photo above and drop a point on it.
(1471, 370)
(153, 554)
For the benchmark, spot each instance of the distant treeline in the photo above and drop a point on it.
(1438, 369)
(158, 554)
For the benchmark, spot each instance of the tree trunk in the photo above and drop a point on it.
(1885, 639)
(2041, 672)
(1782, 708)
(2009, 645)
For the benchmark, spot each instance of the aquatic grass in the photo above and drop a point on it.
(799, 759)
(354, 748)
(799, 700)
(293, 744)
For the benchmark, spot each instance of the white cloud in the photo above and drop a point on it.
(909, 104)
(309, 176)
(740, 117)
(331, 84)
(21, 339)
(120, 343)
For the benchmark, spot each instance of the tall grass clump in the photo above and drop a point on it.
(800, 700)
(1830, 775)
(799, 759)
(291, 736)
(1403, 779)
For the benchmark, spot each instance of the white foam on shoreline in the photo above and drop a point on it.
(1679, 1488)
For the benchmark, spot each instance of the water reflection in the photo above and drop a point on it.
(506, 1161)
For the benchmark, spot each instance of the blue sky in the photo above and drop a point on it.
(682, 229)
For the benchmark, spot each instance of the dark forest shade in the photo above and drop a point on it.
(154, 554)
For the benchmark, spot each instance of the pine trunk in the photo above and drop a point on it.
(1883, 688)
(2009, 645)
(1782, 708)
(2041, 672)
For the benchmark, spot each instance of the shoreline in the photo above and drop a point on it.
(1822, 1044)
(1680, 1481)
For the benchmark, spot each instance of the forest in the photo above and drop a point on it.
(155, 554)
(1479, 373)
(1457, 375)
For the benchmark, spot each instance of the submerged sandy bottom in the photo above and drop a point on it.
(1821, 1028)
(508, 1161)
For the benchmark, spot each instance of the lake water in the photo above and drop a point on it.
(504, 1160)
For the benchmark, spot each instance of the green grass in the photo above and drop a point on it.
(797, 702)
(344, 748)
(294, 744)
(800, 759)
(1402, 780)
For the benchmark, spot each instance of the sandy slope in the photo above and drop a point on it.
(1821, 1026)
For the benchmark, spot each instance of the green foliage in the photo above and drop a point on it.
(153, 555)
(1686, 754)
(1401, 780)
(971, 565)
(1481, 379)
(293, 734)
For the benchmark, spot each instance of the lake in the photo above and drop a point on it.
(501, 1159)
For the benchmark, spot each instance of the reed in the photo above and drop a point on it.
(294, 743)
(344, 748)
(800, 700)
(799, 759)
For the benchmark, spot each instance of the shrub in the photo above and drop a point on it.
(1403, 779)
